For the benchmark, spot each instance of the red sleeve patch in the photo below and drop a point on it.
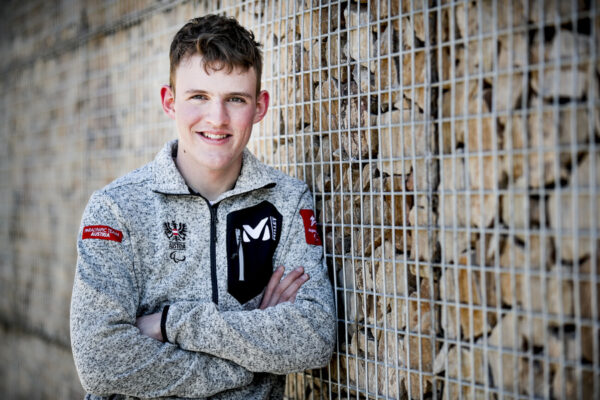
(102, 232)
(310, 227)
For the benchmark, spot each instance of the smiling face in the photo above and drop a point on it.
(214, 112)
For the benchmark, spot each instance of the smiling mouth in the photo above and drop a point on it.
(213, 136)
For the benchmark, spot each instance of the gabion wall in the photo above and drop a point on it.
(453, 152)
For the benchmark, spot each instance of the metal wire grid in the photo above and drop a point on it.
(504, 359)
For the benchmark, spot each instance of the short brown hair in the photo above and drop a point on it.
(221, 41)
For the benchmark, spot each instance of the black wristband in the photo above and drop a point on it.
(163, 323)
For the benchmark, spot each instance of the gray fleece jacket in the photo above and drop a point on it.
(147, 244)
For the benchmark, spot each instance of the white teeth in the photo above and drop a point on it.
(211, 136)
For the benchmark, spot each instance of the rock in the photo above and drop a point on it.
(419, 354)
(382, 10)
(546, 12)
(363, 239)
(571, 217)
(513, 51)
(364, 79)
(360, 37)
(468, 367)
(468, 291)
(424, 241)
(396, 319)
(354, 307)
(507, 368)
(381, 48)
(520, 212)
(531, 253)
(361, 374)
(508, 91)
(421, 315)
(468, 210)
(569, 81)
(537, 137)
(567, 383)
(469, 125)
(363, 344)
(315, 23)
(475, 18)
(425, 174)
(356, 114)
(588, 272)
(454, 244)
(404, 134)
(413, 72)
(390, 273)
(530, 292)
(382, 209)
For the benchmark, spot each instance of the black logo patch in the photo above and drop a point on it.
(176, 233)
(252, 237)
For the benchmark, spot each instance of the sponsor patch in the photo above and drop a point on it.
(310, 227)
(101, 232)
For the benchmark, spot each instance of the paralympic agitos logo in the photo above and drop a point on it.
(176, 233)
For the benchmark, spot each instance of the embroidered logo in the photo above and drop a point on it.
(176, 233)
(310, 227)
(101, 232)
(173, 256)
(261, 230)
(252, 237)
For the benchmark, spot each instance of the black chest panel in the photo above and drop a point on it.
(252, 237)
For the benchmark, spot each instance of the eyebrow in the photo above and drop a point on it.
(230, 94)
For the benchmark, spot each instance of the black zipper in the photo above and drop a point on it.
(213, 245)
(213, 241)
(213, 252)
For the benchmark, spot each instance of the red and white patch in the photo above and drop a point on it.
(102, 232)
(310, 227)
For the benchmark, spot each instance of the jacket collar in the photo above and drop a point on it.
(168, 180)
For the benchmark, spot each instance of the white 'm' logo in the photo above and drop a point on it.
(254, 233)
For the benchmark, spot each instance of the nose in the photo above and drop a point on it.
(217, 113)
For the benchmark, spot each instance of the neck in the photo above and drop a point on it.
(207, 182)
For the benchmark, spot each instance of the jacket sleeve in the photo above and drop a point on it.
(282, 339)
(110, 353)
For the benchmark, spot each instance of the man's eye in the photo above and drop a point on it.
(198, 97)
(237, 100)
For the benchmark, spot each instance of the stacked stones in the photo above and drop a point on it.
(452, 152)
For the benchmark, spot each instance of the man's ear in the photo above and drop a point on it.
(262, 105)
(167, 97)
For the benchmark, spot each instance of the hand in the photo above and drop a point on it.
(281, 290)
(149, 325)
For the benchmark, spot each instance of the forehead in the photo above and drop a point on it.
(193, 71)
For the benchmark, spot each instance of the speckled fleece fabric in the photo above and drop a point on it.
(146, 242)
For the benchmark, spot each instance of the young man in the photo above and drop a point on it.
(201, 274)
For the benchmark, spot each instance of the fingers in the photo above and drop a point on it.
(284, 285)
(289, 294)
(273, 282)
(281, 290)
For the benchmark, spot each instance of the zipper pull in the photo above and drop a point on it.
(240, 254)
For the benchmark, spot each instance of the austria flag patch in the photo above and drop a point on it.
(101, 232)
(310, 227)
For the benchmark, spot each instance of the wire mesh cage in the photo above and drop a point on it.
(452, 151)
(451, 148)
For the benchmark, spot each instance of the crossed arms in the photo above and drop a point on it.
(208, 351)
(279, 290)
